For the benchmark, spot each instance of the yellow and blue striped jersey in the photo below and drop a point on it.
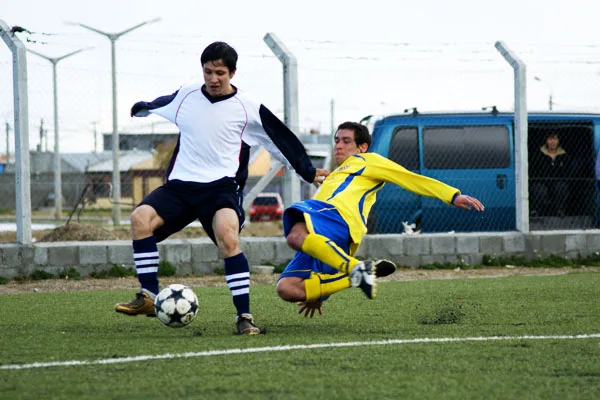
(352, 188)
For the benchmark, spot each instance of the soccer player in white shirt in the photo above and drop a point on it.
(218, 123)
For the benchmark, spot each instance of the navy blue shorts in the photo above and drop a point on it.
(180, 203)
(321, 218)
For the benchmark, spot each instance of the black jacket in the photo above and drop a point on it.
(543, 166)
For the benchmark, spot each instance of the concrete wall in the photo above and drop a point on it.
(200, 256)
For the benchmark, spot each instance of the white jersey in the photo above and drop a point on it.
(215, 132)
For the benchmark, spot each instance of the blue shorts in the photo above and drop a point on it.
(323, 219)
(180, 203)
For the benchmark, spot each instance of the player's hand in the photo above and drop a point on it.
(309, 308)
(139, 109)
(320, 175)
(468, 203)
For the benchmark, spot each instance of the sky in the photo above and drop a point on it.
(355, 58)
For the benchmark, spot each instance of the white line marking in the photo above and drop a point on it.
(288, 348)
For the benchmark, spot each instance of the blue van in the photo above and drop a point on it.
(475, 153)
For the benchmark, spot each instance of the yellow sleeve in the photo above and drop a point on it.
(381, 168)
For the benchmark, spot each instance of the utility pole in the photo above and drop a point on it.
(57, 166)
(39, 146)
(46, 140)
(7, 141)
(116, 174)
(332, 116)
(95, 138)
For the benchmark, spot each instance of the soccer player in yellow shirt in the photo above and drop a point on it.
(326, 230)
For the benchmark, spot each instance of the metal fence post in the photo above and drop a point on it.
(291, 183)
(521, 162)
(22, 164)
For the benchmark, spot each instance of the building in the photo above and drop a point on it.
(139, 141)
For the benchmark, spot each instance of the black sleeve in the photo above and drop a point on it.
(242, 173)
(141, 108)
(173, 158)
(290, 146)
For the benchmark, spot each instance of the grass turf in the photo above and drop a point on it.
(59, 327)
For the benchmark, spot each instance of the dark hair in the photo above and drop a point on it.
(220, 51)
(361, 132)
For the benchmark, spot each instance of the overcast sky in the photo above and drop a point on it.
(367, 57)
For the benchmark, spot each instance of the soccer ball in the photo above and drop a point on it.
(176, 305)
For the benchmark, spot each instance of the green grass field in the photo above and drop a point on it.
(502, 338)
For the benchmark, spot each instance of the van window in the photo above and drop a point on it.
(466, 147)
(404, 148)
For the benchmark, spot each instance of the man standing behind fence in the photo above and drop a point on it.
(207, 174)
(550, 169)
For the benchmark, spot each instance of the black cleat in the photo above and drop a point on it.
(384, 268)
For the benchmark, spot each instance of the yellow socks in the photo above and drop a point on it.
(325, 250)
(323, 285)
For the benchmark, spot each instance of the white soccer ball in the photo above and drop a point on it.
(176, 305)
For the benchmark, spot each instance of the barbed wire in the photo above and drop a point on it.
(318, 60)
(174, 40)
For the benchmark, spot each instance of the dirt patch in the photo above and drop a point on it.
(88, 232)
(77, 232)
(408, 274)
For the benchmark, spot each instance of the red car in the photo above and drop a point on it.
(266, 207)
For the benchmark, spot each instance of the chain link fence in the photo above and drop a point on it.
(475, 153)
(435, 76)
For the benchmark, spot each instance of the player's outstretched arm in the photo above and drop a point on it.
(467, 203)
(142, 108)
